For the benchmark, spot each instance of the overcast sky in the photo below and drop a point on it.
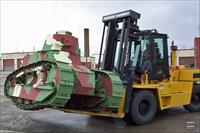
(25, 24)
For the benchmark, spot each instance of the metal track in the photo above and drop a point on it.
(24, 103)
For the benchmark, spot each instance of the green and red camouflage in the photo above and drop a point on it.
(55, 78)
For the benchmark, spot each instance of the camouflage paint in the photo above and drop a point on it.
(54, 77)
(108, 85)
(82, 84)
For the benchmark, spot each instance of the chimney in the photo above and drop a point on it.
(86, 43)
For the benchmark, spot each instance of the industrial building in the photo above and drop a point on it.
(190, 58)
(12, 61)
(187, 57)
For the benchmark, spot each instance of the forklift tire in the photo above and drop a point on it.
(194, 105)
(143, 107)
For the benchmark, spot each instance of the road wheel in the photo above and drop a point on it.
(143, 107)
(194, 105)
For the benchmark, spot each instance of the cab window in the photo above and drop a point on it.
(158, 46)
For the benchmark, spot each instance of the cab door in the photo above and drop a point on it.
(160, 57)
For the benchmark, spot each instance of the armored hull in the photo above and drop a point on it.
(55, 78)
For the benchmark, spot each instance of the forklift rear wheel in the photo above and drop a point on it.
(194, 105)
(143, 107)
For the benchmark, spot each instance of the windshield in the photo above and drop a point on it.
(134, 55)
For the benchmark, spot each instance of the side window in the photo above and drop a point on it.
(130, 53)
(116, 54)
(159, 57)
(132, 50)
(158, 44)
(144, 42)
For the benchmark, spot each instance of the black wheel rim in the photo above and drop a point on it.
(144, 107)
(196, 98)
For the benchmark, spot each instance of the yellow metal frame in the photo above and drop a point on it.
(176, 91)
(169, 94)
(173, 58)
(106, 114)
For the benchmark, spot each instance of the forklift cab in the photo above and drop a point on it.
(130, 52)
(153, 57)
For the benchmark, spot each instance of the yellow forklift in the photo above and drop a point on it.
(140, 58)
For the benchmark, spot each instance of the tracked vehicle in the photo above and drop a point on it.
(126, 84)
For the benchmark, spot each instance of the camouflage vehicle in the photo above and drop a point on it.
(126, 85)
(54, 77)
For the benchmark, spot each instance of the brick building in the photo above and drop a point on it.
(186, 57)
(11, 61)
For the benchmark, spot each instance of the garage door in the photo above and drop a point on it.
(8, 64)
(187, 61)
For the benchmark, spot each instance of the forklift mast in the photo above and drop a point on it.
(125, 44)
(118, 28)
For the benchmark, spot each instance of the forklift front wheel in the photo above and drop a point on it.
(143, 107)
(194, 105)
